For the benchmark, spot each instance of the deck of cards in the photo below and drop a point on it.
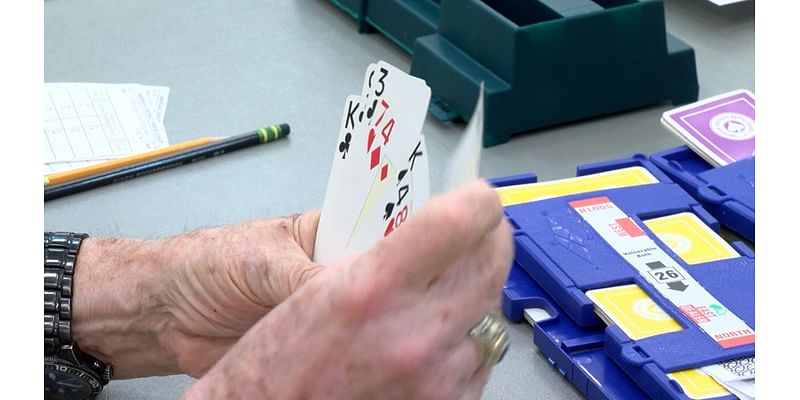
(720, 129)
(380, 173)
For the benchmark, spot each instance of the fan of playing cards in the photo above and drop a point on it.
(380, 174)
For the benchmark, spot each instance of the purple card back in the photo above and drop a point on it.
(723, 127)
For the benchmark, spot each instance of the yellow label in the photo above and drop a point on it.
(625, 177)
(633, 311)
(691, 239)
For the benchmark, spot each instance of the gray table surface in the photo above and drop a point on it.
(233, 66)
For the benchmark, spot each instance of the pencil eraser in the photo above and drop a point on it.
(284, 129)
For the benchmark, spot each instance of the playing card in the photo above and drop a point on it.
(743, 389)
(397, 104)
(391, 202)
(368, 83)
(386, 176)
(690, 238)
(415, 176)
(396, 108)
(721, 129)
(624, 177)
(465, 164)
(348, 185)
(630, 308)
(697, 385)
(733, 370)
(737, 375)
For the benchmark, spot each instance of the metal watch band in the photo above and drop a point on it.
(60, 251)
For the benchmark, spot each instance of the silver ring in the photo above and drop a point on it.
(492, 338)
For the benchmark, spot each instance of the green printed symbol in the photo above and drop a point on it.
(718, 309)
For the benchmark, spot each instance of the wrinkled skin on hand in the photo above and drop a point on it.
(389, 323)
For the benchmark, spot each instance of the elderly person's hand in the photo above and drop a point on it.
(161, 307)
(390, 323)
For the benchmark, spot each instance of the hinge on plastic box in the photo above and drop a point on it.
(712, 194)
(641, 352)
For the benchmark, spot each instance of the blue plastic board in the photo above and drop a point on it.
(728, 192)
(576, 352)
(636, 160)
(564, 254)
(567, 257)
(520, 179)
(557, 256)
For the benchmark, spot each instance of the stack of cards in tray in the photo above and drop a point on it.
(630, 289)
(380, 175)
(721, 129)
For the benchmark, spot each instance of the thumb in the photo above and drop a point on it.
(300, 274)
(304, 228)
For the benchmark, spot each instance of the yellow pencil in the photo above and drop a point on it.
(78, 173)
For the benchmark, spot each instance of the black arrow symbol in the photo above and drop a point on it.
(656, 265)
(679, 286)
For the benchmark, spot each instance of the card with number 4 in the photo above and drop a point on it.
(383, 175)
(397, 104)
(392, 201)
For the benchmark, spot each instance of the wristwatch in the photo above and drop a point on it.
(69, 373)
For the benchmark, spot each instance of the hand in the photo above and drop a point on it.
(177, 305)
(391, 322)
(230, 277)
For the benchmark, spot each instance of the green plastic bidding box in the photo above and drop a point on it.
(543, 62)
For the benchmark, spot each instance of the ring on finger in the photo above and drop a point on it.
(492, 338)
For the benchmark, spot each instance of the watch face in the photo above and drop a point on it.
(63, 382)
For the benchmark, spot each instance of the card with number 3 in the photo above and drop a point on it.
(380, 174)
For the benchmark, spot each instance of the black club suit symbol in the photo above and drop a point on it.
(344, 146)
